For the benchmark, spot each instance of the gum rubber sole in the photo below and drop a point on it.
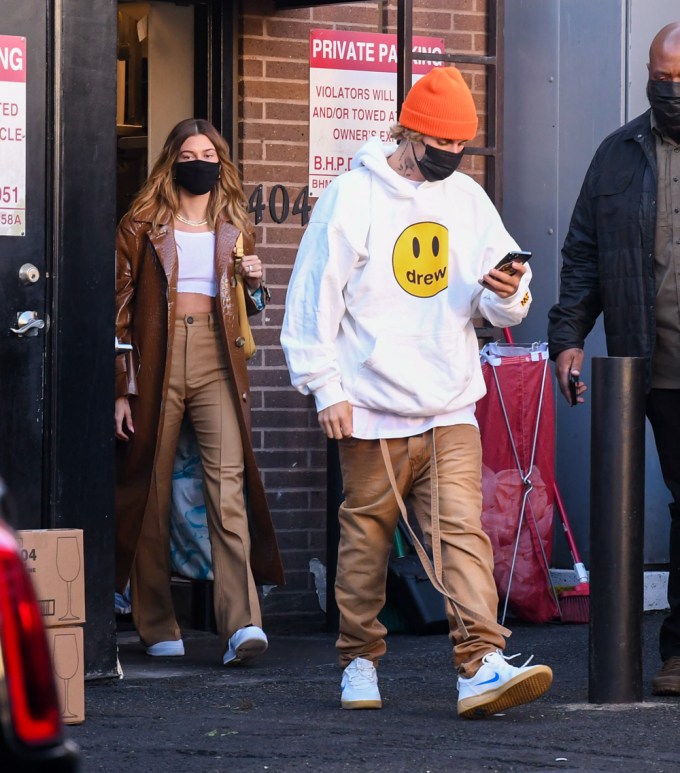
(524, 688)
(361, 704)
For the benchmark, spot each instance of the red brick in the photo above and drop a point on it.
(355, 15)
(309, 478)
(426, 21)
(266, 377)
(288, 29)
(270, 89)
(253, 111)
(469, 21)
(287, 439)
(451, 5)
(286, 70)
(288, 419)
(252, 68)
(260, 130)
(252, 26)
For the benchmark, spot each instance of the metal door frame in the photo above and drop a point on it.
(81, 148)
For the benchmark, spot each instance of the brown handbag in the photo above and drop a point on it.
(249, 347)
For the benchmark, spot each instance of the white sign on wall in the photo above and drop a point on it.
(353, 95)
(12, 135)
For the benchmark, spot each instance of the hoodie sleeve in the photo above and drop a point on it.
(505, 312)
(496, 242)
(315, 305)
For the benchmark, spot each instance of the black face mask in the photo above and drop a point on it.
(437, 164)
(198, 177)
(664, 97)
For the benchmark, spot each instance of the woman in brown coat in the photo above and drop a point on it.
(176, 305)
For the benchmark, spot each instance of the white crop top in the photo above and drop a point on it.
(196, 254)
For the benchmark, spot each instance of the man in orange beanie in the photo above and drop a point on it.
(395, 263)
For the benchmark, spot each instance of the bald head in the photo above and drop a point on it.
(663, 86)
(664, 53)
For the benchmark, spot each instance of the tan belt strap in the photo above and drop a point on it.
(434, 574)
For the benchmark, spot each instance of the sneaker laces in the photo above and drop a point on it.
(508, 658)
(361, 675)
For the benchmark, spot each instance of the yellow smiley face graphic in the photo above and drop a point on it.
(420, 259)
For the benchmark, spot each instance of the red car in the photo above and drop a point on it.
(31, 731)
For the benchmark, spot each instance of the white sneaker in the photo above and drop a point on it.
(166, 649)
(360, 686)
(245, 644)
(498, 686)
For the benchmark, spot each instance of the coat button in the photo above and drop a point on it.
(244, 396)
(240, 341)
(190, 320)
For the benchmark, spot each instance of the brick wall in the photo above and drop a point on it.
(273, 148)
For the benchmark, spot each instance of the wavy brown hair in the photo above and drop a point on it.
(158, 199)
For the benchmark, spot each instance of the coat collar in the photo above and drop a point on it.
(163, 242)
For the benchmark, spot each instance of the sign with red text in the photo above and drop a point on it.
(12, 135)
(353, 95)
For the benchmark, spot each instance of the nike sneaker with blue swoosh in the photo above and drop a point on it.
(498, 686)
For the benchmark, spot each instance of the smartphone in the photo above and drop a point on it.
(573, 394)
(505, 264)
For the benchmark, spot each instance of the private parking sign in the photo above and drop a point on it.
(12, 135)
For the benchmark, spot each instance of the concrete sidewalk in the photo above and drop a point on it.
(281, 712)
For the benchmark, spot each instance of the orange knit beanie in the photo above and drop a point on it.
(440, 105)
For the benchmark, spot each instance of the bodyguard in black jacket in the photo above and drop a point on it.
(608, 255)
(621, 258)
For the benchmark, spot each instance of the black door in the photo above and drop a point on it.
(56, 283)
(24, 267)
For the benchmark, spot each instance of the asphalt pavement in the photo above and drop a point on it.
(282, 711)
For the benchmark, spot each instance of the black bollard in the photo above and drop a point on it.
(617, 459)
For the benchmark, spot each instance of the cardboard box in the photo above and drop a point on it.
(66, 649)
(54, 560)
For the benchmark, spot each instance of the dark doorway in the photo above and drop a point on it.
(174, 60)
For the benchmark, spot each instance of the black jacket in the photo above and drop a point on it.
(608, 255)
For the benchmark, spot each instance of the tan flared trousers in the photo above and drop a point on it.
(200, 385)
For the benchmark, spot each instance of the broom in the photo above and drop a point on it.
(575, 601)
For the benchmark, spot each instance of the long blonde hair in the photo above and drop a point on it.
(158, 199)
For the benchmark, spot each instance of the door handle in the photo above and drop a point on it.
(28, 324)
(120, 347)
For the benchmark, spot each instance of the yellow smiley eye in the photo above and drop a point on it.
(420, 259)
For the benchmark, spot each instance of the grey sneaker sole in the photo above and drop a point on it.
(524, 688)
(245, 652)
(166, 650)
(370, 704)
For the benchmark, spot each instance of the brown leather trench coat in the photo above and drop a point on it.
(146, 293)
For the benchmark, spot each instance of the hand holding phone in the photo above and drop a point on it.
(505, 263)
(573, 391)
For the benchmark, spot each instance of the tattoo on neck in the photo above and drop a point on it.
(405, 163)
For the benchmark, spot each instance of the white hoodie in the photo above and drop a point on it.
(384, 288)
